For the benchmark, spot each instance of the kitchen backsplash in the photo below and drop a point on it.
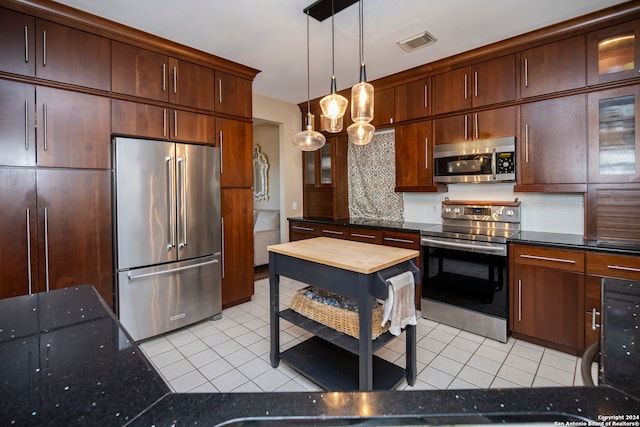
(554, 213)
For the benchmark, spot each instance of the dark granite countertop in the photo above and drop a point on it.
(572, 241)
(67, 361)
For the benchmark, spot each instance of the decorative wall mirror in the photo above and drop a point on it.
(260, 175)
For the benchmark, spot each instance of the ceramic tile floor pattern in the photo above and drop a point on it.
(232, 355)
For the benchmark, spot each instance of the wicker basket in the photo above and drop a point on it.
(340, 319)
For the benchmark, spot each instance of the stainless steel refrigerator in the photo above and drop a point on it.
(168, 234)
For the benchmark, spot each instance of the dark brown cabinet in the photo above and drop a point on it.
(613, 53)
(553, 67)
(485, 83)
(412, 100)
(414, 157)
(553, 150)
(17, 130)
(232, 94)
(235, 143)
(72, 56)
(299, 230)
(495, 123)
(237, 242)
(58, 238)
(592, 309)
(151, 75)
(613, 134)
(82, 142)
(18, 48)
(325, 181)
(547, 296)
(384, 107)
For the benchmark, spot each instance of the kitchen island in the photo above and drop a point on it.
(355, 270)
(104, 379)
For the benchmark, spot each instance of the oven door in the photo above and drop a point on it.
(465, 285)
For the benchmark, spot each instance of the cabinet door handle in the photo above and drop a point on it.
(364, 236)
(46, 248)
(526, 143)
(26, 124)
(426, 153)
(44, 48)
(175, 80)
(393, 239)
(466, 127)
(44, 125)
(544, 258)
(475, 84)
(26, 46)
(164, 122)
(164, 77)
(222, 256)
(466, 83)
(519, 300)
(220, 91)
(426, 96)
(475, 125)
(526, 72)
(594, 313)
(29, 249)
(220, 138)
(175, 123)
(621, 267)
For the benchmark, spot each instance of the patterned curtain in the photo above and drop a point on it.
(372, 178)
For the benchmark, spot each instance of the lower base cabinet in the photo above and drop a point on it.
(237, 245)
(547, 296)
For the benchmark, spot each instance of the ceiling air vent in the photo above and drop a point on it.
(417, 41)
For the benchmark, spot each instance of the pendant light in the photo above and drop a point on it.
(333, 105)
(361, 131)
(308, 139)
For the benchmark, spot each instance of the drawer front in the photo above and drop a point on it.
(335, 231)
(400, 239)
(303, 230)
(559, 259)
(621, 266)
(366, 235)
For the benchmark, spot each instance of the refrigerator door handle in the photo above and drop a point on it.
(171, 205)
(182, 199)
(173, 270)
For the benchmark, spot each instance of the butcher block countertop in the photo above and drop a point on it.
(359, 257)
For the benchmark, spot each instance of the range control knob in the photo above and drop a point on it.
(447, 210)
(510, 212)
(456, 211)
(499, 212)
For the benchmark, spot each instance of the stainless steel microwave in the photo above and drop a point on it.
(489, 160)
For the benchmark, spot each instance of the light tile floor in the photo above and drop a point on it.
(232, 355)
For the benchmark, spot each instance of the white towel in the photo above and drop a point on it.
(400, 306)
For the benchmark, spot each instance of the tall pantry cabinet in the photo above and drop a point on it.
(69, 82)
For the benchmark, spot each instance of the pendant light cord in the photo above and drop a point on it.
(333, 43)
(308, 70)
(361, 26)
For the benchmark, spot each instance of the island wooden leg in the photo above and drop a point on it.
(365, 365)
(411, 367)
(274, 311)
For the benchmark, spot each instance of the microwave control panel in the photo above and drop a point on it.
(505, 163)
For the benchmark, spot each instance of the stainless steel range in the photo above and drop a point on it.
(465, 281)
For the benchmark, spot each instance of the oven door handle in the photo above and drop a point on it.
(457, 245)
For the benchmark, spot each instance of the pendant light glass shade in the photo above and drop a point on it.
(362, 101)
(360, 133)
(332, 125)
(333, 105)
(309, 139)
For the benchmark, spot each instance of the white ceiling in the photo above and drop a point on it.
(270, 35)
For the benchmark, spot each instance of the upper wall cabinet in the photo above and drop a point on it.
(151, 75)
(18, 48)
(412, 100)
(232, 94)
(485, 83)
(67, 55)
(613, 53)
(553, 67)
(384, 109)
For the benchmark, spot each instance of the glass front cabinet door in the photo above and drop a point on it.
(613, 135)
(318, 166)
(613, 53)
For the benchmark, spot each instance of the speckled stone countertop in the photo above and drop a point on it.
(67, 361)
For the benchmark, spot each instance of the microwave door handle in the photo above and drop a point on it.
(494, 156)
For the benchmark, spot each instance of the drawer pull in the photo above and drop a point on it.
(366, 236)
(333, 232)
(594, 325)
(621, 267)
(393, 239)
(297, 227)
(544, 258)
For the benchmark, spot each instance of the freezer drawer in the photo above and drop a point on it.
(159, 299)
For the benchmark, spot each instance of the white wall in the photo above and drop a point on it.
(287, 116)
(554, 213)
(267, 136)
